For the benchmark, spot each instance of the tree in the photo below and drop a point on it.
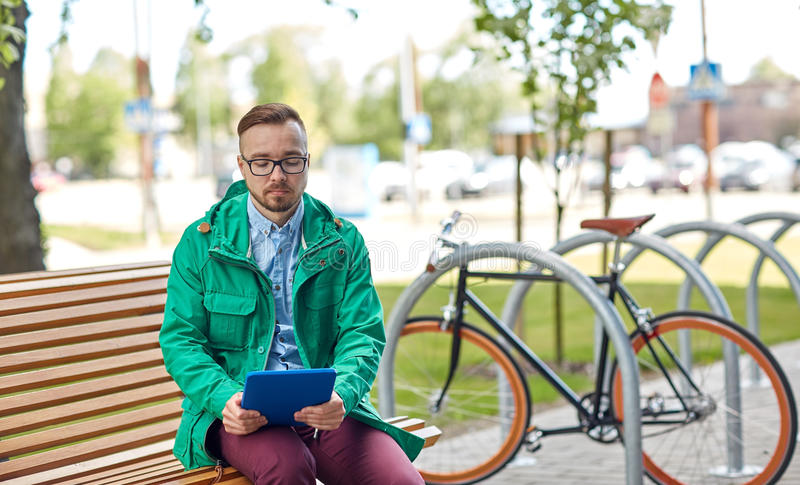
(201, 90)
(377, 112)
(462, 104)
(84, 112)
(20, 243)
(569, 48)
(767, 70)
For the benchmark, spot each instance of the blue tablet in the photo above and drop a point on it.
(278, 394)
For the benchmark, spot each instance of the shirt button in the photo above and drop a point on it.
(280, 250)
(283, 359)
(277, 287)
(261, 350)
(282, 339)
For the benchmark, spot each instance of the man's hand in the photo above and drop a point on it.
(238, 420)
(325, 416)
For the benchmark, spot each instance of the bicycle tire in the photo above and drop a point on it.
(473, 445)
(696, 451)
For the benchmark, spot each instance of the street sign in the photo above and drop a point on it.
(141, 117)
(659, 93)
(418, 129)
(705, 83)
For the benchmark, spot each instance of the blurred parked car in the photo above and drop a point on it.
(44, 178)
(446, 172)
(686, 166)
(755, 165)
(593, 174)
(389, 180)
(492, 175)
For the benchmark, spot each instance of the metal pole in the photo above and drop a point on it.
(710, 125)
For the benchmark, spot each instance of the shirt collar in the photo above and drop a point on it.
(262, 224)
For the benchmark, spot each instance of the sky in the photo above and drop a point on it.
(739, 33)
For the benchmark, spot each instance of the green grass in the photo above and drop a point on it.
(101, 239)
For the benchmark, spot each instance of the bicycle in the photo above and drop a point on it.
(467, 382)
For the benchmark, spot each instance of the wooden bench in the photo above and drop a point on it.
(84, 395)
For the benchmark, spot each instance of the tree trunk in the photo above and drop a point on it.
(20, 237)
(558, 295)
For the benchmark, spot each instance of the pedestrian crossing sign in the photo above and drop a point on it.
(705, 82)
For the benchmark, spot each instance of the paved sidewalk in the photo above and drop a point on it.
(577, 460)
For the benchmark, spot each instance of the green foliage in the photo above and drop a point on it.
(574, 45)
(377, 115)
(201, 90)
(11, 36)
(85, 112)
(767, 70)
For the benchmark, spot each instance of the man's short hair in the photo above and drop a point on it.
(270, 114)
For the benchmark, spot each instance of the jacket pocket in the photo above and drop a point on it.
(229, 319)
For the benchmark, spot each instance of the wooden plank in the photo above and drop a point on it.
(74, 474)
(91, 312)
(47, 274)
(72, 433)
(37, 359)
(62, 299)
(155, 474)
(73, 411)
(410, 424)
(83, 370)
(430, 434)
(55, 285)
(79, 333)
(204, 475)
(88, 389)
(88, 450)
(119, 470)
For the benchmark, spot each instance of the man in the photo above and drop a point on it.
(270, 279)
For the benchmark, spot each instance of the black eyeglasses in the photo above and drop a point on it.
(264, 166)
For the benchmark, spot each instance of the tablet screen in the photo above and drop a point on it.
(279, 394)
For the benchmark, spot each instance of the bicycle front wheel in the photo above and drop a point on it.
(701, 423)
(484, 413)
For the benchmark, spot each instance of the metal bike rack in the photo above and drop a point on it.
(751, 296)
(713, 296)
(607, 313)
(716, 231)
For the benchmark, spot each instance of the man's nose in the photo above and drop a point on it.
(278, 173)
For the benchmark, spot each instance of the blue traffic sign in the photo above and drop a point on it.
(705, 82)
(418, 129)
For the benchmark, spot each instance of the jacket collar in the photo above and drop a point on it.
(231, 232)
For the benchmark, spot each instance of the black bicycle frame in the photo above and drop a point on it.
(589, 418)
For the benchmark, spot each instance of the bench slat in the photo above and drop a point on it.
(91, 312)
(88, 450)
(78, 297)
(430, 434)
(79, 333)
(55, 285)
(72, 433)
(204, 475)
(153, 474)
(44, 398)
(121, 471)
(73, 410)
(82, 370)
(108, 465)
(47, 274)
(37, 359)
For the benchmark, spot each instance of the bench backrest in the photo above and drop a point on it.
(82, 380)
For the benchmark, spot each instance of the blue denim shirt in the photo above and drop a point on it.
(275, 251)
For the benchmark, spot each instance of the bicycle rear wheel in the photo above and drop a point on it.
(484, 413)
(705, 432)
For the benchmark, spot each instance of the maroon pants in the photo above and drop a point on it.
(353, 454)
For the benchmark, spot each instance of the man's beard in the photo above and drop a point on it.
(282, 204)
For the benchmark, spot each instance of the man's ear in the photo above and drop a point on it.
(242, 165)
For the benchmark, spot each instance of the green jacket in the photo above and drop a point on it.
(220, 314)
